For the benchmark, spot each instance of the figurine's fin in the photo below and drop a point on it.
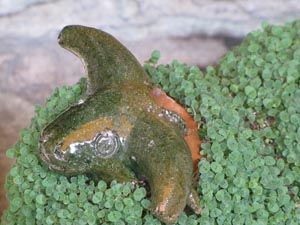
(107, 61)
(161, 155)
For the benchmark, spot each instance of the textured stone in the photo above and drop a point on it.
(14, 115)
(136, 19)
(8, 7)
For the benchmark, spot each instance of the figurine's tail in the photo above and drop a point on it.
(106, 60)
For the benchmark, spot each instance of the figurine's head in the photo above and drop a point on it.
(79, 148)
(75, 144)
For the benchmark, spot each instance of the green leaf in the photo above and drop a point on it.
(253, 48)
(269, 160)
(216, 167)
(231, 117)
(283, 199)
(204, 166)
(232, 144)
(253, 183)
(220, 195)
(97, 197)
(277, 30)
(155, 55)
(268, 103)
(62, 213)
(11, 153)
(41, 199)
(92, 220)
(126, 189)
(101, 214)
(239, 181)
(128, 202)
(27, 139)
(250, 92)
(16, 203)
(291, 157)
(273, 207)
(216, 147)
(109, 203)
(50, 220)
(18, 180)
(231, 170)
(284, 116)
(286, 42)
(289, 177)
(49, 181)
(102, 185)
(215, 212)
(139, 194)
(146, 203)
(119, 205)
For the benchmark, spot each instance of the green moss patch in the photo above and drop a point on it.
(248, 111)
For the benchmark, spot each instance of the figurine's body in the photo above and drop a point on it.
(119, 131)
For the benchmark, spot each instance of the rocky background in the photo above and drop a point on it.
(32, 64)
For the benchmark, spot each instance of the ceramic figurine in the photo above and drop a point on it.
(126, 128)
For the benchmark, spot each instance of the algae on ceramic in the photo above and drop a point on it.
(118, 132)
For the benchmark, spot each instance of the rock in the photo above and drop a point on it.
(14, 115)
(136, 20)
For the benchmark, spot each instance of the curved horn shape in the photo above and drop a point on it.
(106, 60)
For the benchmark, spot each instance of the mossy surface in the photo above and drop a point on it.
(249, 120)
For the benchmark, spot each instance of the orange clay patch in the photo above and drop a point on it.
(87, 131)
(192, 138)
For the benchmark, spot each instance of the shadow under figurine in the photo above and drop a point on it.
(123, 130)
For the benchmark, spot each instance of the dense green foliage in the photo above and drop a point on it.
(248, 112)
(249, 119)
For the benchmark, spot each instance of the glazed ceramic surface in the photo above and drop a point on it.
(119, 132)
